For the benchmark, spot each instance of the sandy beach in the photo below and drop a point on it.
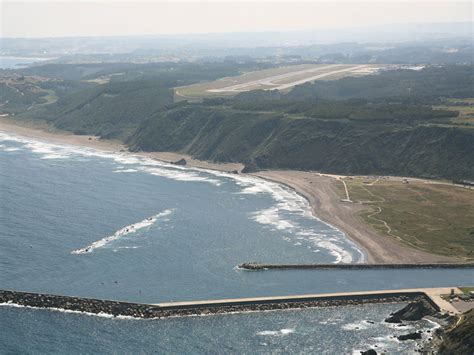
(319, 190)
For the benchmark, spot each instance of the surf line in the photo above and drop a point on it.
(132, 228)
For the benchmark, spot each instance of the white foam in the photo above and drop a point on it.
(133, 228)
(125, 171)
(5, 148)
(355, 326)
(11, 149)
(62, 310)
(179, 175)
(280, 332)
(289, 202)
(48, 150)
(398, 326)
(271, 217)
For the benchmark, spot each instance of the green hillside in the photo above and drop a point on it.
(111, 110)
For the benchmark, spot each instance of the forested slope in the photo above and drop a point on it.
(337, 146)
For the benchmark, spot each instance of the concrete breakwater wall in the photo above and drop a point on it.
(163, 310)
(258, 266)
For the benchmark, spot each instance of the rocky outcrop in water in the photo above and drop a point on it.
(412, 312)
(369, 352)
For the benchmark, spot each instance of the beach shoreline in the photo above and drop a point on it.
(318, 189)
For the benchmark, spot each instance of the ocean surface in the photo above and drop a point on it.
(18, 62)
(343, 330)
(83, 222)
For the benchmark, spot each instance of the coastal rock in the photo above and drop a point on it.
(413, 311)
(137, 310)
(250, 167)
(369, 352)
(409, 336)
(180, 162)
(457, 337)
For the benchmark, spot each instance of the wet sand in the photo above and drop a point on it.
(319, 190)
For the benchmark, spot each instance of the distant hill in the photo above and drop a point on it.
(431, 82)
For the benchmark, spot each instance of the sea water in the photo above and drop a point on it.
(85, 222)
(19, 62)
(342, 330)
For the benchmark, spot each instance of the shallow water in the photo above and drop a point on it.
(78, 221)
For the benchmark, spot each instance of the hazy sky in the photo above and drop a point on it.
(103, 18)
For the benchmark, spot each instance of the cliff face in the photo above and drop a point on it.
(272, 141)
(460, 339)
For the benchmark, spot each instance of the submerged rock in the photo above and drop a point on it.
(413, 311)
(369, 352)
(180, 162)
(410, 336)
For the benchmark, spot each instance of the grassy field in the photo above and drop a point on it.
(466, 290)
(275, 78)
(438, 218)
(465, 108)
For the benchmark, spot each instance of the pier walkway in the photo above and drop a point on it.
(433, 294)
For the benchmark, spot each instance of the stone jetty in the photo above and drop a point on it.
(260, 266)
(173, 309)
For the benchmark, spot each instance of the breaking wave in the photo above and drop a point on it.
(289, 215)
(62, 310)
(280, 332)
(133, 228)
(48, 150)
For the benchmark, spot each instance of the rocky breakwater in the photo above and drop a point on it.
(413, 312)
(137, 310)
(77, 304)
(254, 266)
